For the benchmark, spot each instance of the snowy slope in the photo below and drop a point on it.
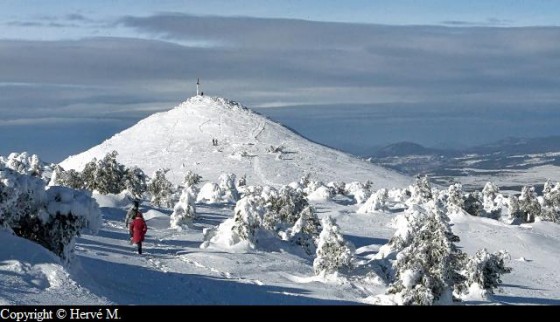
(30, 274)
(181, 140)
(175, 270)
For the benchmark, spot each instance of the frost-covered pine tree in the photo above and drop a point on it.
(228, 188)
(514, 210)
(89, 175)
(160, 189)
(247, 218)
(110, 174)
(376, 202)
(191, 179)
(529, 204)
(284, 208)
(483, 271)
(489, 195)
(455, 199)
(427, 268)
(135, 182)
(305, 231)
(184, 211)
(551, 202)
(333, 252)
(473, 203)
(421, 190)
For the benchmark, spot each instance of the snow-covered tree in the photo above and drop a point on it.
(31, 165)
(427, 268)
(135, 182)
(514, 210)
(110, 174)
(421, 190)
(473, 203)
(242, 181)
(228, 188)
(247, 218)
(358, 191)
(529, 204)
(160, 189)
(455, 198)
(305, 231)
(284, 208)
(50, 216)
(333, 252)
(551, 202)
(376, 202)
(483, 271)
(191, 179)
(184, 211)
(337, 188)
(489, 195)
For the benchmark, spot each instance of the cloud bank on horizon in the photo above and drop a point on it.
(83, 66)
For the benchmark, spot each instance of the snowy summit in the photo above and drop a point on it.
(209, 135)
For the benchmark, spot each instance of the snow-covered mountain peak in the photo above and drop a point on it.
(211, 102)
(212, 135)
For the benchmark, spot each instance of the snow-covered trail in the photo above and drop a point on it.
(174, 270)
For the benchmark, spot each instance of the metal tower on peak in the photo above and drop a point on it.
(197, 84)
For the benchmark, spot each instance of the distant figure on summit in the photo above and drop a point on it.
(138, 229)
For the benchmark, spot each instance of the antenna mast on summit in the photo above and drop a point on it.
(197, 84)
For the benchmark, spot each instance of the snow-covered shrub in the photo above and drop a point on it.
(50, 216)
(427, 268)
(321, 193)
(473, 203)
(21, 196)
(529, 204)
(228, 188)
(483, 271)
(358, 191)
(160, 189)
(333, 252)
(32, 165)
(191, 179)
(376, 202)
(284, 208)
(184, 211)
(248, 214)
(305, 231)
(337, 188)
(399, 195)
(242, 181)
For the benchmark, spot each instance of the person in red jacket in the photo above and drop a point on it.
(138, 229)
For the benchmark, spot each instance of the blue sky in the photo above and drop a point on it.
(91, 68)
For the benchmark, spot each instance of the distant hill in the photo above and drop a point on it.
(248, 143)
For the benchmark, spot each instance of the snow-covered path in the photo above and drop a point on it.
(174, 270)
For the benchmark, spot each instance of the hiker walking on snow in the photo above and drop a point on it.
(131, 214)
(138, 230)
